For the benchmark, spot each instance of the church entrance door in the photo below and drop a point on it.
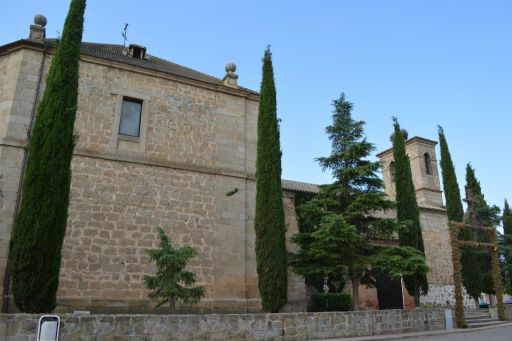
(389, 293)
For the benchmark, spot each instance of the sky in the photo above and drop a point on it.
(427, 62)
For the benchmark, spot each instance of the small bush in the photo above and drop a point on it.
(339, 301)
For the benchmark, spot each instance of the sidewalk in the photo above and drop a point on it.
(416, 334)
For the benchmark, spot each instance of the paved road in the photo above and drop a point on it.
(494, 334)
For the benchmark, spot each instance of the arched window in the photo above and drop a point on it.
(392, 171)
(428, 163)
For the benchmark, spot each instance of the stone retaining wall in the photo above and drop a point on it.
(493, 310)
(287, 326)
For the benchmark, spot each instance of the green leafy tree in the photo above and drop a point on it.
(397, 262)
(331, 250)
(476, 263)
(41, 222)
(269, 219)
(454, 207)
(341, 222)
(407, 210)
(172, 282)
(506, 248)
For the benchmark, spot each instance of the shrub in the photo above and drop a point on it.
(172, 282)
(336, 301)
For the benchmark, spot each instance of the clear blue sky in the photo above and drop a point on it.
(427, 62)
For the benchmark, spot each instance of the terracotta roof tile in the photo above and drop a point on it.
(296, 186)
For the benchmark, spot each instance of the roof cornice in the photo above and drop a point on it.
(412, 140)
(37, 46)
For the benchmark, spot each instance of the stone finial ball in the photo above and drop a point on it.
(40, 20)
(230, 67)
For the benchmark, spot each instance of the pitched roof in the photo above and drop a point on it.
(296, 186)
(409, 141)
(114, 52)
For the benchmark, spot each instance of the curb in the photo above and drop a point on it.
(417, 334)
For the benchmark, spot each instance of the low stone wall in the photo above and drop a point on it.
(444, 295)
(493, 310)
(508, 312)
(287, 326)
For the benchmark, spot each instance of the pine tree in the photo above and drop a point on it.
(407, 210)
(341, 219)
(506, 247)
(41, 221)
(476, 263)
(454, 207)
(269, 220)
(172, 282)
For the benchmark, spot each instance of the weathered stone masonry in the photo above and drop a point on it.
(197, 143)
(243, 327)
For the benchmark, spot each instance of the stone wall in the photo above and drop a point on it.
(436, 238)
(195, 146)
(287, 326)
(444, 295)
(196, 143)
(18, 84)
(297, 297)
(493, 310)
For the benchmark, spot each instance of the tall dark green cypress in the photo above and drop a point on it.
(479, 212)
(41, 221)
(476, 263)
(454, 207)
(506, 247)
(407, 209)
(507, 219)
(269, 220)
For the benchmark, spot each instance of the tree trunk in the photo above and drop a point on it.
(477, 302)
(172, 305)
(417, 293)
(355, 290)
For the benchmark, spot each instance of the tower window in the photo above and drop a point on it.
(428, 163)
(392, 171)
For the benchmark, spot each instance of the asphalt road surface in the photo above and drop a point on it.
(492, 334)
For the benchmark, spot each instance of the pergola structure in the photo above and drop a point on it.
(455, 228)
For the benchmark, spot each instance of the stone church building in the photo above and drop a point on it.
(159, 144)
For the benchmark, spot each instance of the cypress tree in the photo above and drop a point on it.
(269, 219)
(41, 221)
(507, 219)
(506, 247)
(454, 207)
(479, 212)
(476, 263)
(407, 210)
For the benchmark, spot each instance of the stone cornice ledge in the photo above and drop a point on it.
(143, 160)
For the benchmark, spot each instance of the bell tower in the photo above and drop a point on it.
(425, 175)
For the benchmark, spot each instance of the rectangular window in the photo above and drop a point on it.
(130, 117)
